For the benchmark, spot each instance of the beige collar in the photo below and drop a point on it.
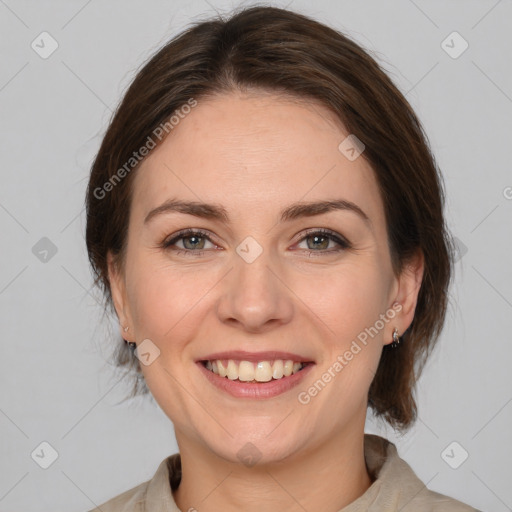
(395, 487)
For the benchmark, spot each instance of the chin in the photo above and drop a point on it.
(254, 448)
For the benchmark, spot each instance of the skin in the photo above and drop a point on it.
(254, 154)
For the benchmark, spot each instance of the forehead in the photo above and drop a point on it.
(256, 150)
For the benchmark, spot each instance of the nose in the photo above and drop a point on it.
(255, 296)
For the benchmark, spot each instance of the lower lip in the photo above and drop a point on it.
(258, 390)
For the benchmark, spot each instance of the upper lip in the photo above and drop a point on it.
(242, 355)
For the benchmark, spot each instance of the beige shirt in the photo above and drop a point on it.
(395, 487)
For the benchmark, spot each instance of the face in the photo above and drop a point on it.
(259, 273)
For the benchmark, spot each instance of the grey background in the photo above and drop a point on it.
(55, 381)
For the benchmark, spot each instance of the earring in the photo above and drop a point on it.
(126, 328)
(130, 344)
(396, 339)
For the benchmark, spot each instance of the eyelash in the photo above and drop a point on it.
(188, 233)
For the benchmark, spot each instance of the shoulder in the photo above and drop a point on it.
(132, 500)
(153, 494)
(430, 501)
(397, 487)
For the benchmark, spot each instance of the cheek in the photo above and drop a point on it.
(349, 302)
(164, 299)
(347, 299)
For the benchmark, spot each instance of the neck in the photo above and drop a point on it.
(335, 471)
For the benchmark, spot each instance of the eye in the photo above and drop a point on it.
(188, 241)
(324, 240)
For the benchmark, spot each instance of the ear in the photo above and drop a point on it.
(409, 284)
(119, 297)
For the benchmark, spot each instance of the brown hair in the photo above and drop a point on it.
(272, 49)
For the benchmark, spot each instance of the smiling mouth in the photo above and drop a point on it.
(261, 371)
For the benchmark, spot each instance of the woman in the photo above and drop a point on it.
(266, 218)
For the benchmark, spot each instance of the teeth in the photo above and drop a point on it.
(263, 371)
(232, 370)
(222, 370)
(278, 369)
(247, 371)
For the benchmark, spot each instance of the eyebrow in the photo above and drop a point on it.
(291, 212)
